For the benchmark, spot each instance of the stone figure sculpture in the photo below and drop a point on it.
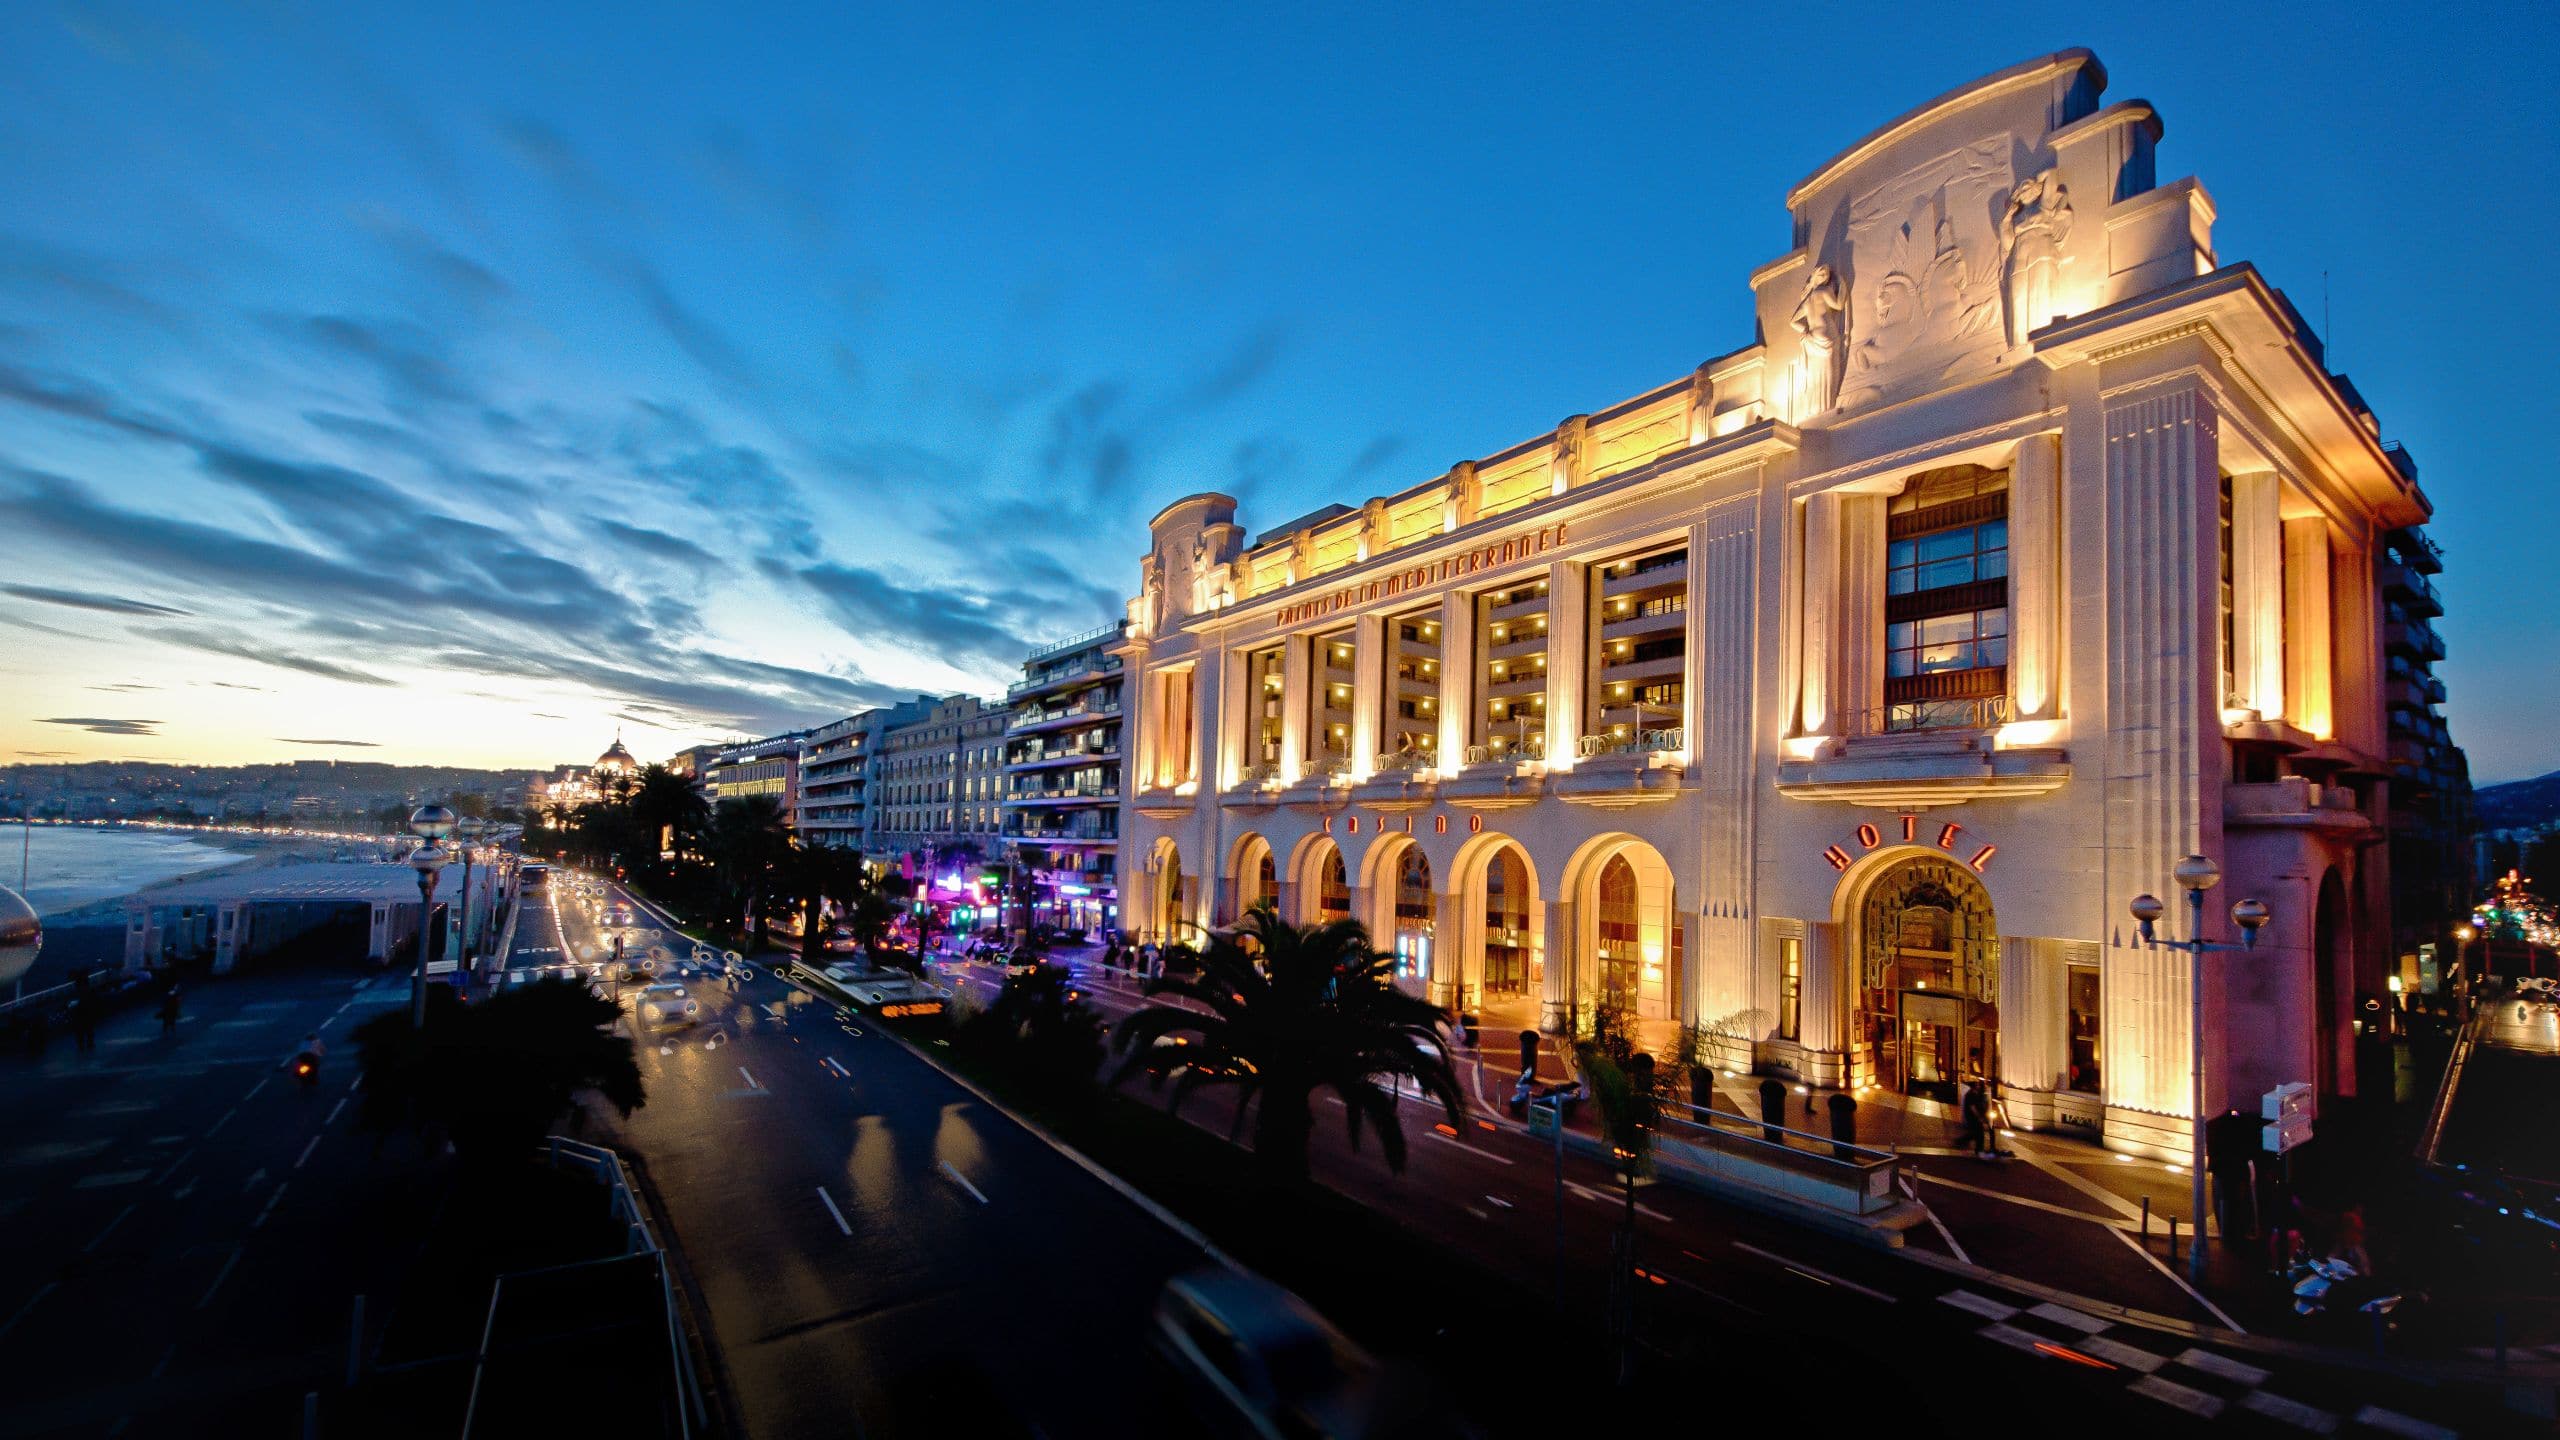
(2038, 220)
(1821, 320)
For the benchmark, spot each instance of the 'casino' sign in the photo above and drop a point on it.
(1946, 835)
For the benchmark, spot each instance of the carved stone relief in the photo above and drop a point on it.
(1927, 264)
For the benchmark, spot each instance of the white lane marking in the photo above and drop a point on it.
(963, 1182)
(1810, 1273)
(830, 1202)
(42, 1291)
(1470, 1149)
(254, 1089)
(2399, 1424)
(183, 1191)
(305, 1157)
(216, 1287)
(333, 1112)
(101, 1237)
(1605, 1198)
(830, 1062)
(2180, 1281)
(270, 1207)
(2013, 1337)
(1982, 1305)
(254, 1177)
(165, 1357)
(167, 1175)
(2066, 1316)
(1498, 1200)
(2221, 1367)
(751, 1080)
(2170, 1392)
(2290, 1412)
(110, 1178)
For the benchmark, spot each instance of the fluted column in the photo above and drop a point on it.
(1368, 672)
(2257, 595)
(1823, 998)
(1297, 677)
(1568, 647)
(2035, 588)
(1457, 677)
(1857, 656)
(1817, 616)
(2308, 633)
(1722, 632)
(1555, 994)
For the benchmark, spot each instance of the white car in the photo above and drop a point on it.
(1259, 1361)
(666, 1005)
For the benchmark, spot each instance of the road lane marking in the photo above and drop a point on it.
(2179, 1280)
(1703, 1290)
(270, 1208)
(2170, 1392)
(305, 1157)
(254, 1089)
(830, 1062)
(1820, 1276)
(2066, 1316)
(963, 1181)
(101, 1237)
(751, 1080)
(2290, 1412)
(1470, 1149)
(830, 1202)
(1498, 1200)
(108, 1179)
(1982, 1305)
(1605, 1198)
(183, 1191)
(333, 1112)
(254, 1177)
(216, 1286)
(42, 1291)
(2399, 1424)
(2131, 1357)
(175, 1165)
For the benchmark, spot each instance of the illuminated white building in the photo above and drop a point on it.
(1847, 689)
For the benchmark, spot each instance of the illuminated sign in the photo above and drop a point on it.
(1944, 835)
(1465, 562)
(1402, 824)
(909, 1009)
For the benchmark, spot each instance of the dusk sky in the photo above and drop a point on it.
(441, 384)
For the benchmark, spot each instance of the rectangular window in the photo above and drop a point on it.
(2085, 992)
(1264, 687)
(1947, 601)
(1790, 986)
(1638, 646)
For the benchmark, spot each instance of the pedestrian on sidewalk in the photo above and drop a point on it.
(169, 1004)
(1976, 1109)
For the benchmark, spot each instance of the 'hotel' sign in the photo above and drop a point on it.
(1944, 837)
(1466, 562)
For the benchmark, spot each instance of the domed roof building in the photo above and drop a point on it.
(616, 759)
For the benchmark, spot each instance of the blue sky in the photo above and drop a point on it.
(452, 383)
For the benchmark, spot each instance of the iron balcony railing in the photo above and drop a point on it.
(1399, 762)
(1533, 747)
(1078, 642)
(1640, 742)
(1902, 717)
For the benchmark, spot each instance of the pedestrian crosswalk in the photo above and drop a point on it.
(2206, 1385)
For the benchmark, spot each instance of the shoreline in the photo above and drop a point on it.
(255, 850)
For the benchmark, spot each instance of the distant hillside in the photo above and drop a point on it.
(2520, 803)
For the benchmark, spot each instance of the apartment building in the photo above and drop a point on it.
(1845, 692)
(1062, 777)
(940, 783)
(770, 766)
(2434, 882)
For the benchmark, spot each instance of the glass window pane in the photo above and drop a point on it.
(1942, 629)
(1899, 552)
(1945, 572)
(1992, 622)
(1899, 582)
(1994, 651)
(1947, 543)
(1994, 565)
(1995, 534)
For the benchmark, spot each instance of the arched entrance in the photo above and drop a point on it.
(1165, 912)
(1624, 932)
(1507, 904)
(1928, 982)
(1320, 883)
(1252, 878)
(1404, 918)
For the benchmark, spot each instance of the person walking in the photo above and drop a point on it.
(169, 1006)
(1976, 1108)
(84, 1021)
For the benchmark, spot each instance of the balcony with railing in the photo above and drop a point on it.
(1074, 827)
(1033, 721)
(1525, 605)
(1040, 758)
(2410, 587)
(1926, 751)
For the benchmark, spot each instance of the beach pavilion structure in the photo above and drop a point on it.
(234, 917)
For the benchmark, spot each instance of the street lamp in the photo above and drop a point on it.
(430, 823)
(470, 831)
(2196, 874)
(21, 937)
(2462, 936)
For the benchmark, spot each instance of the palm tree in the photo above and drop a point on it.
(667, 812)
(748, 842)
(820, 873)
(1280, 1012)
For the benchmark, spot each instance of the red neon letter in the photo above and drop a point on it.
(1947, 836)
(1838, 857)
(1982, 858)
(1869, 836)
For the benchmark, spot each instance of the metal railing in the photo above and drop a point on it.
(1078, 642)
(1261, 772)
(1867, 1175)
(1906, 717)
(1640, 742)
(1396, 762)
(1029, 718)
(1532, 748)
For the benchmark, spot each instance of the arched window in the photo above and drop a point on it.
(1333, 894)
(1414, 913)
(1621, 935)
(1506, 923)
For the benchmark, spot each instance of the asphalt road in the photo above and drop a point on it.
(184, 1228)
(881, 1254)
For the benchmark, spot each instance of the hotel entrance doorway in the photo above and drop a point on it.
(1929, 1016)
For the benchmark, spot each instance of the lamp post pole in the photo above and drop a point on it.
(2196, 874)
(470, 832)
(429, 823)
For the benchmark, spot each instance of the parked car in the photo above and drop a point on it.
(1256, 1360)
(659, 1006)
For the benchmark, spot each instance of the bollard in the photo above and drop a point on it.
(1844, 1125)
(2173, 1237)
(1773, 1110)
(2146, 1222)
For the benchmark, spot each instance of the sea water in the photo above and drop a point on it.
(72, 865)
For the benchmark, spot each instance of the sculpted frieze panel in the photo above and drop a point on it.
(1926, 272)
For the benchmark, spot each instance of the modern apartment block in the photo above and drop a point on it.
(940, 782)
(1845, 692)
(2433, 883)
(770, 766)
(834, 767)
(1062, 775)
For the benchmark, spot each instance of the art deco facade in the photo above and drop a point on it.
(1848, 688)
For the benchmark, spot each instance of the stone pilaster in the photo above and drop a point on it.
(1722, 634)
(1568, 652)
(1817, 617)
(2035, 580)
(1857, 656)
(2257, 595)
(1457, 676)
(1368, 686)
(2309, 674)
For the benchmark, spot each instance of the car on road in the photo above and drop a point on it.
(1258, 1361)
(662, 1006)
